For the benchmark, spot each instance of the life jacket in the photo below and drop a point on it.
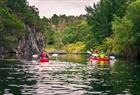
(44, 58)
(102, 56)
(44, 54)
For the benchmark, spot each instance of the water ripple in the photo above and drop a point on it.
(64, 78)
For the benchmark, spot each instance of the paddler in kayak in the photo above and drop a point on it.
(96, 54)
(93, 54)
(44, 58)
(102, 54)
(41, 53)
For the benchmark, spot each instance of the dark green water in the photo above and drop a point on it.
(69, 75)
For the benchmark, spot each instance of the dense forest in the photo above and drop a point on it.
(109, 25)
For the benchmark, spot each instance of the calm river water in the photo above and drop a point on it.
(69, 75)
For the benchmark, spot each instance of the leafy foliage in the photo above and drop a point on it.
(10, 26)
(126, 31)
(75, 47)
(15, 16)
(101, 15)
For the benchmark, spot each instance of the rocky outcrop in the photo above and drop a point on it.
(30, 43)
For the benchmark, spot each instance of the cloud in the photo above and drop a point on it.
(68, 7)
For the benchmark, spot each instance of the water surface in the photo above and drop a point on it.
(69, 75)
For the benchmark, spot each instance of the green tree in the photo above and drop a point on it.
(101, 15)
(78, 31)
(17, 21)
(45, 27)
(11, 29)
(126, 31)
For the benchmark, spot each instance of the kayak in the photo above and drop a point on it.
(99, 59)
(44, 60)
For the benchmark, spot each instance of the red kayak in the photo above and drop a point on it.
(44, 59)
(99, 59)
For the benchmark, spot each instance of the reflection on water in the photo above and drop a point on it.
(76, 58)
(69, 78)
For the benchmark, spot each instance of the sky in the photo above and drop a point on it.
(68, 7)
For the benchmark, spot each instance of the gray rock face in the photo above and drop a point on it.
(30, 44)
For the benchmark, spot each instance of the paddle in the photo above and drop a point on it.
(89, 52)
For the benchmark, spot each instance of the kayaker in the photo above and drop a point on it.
(44, 54)
(41, 53)
(44, 58)
(96, 54)
(93, 54)
(102, 54)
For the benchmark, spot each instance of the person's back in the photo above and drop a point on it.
(44, 58)
(102, 54)
(97, 54)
